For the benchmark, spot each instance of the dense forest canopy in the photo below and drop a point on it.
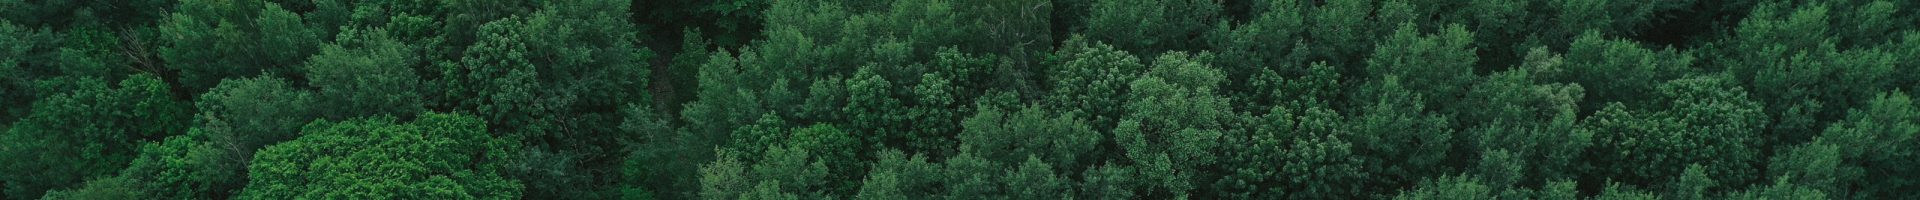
(959, 99)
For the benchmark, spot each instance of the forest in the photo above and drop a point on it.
(959, 99)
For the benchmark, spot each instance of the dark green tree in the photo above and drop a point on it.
(1707, 121)
(1616, 70)
(1150, 27)
(1396, 136)
(1006, 136)
(236, 118)
(1175, 124)
(16, 85)
(1808, 76)
(210, 41)
(1859, 157)
(91, 131)
(1449, 188)
(1091, 77)
(366, 73)
(1535, 123)
(1441, 64)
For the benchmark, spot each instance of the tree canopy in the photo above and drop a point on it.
(959, 99)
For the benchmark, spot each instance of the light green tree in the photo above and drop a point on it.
(435, 156)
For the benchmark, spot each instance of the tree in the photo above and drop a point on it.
(1708, 122)
(892, 177)
(1693, 184)
(1090, 77)
(1396, 136)
(555, 77)
(1272, 44)
(782, 173)
(1347, 32)
(871, 106)
(15, 85)
(723, 102)
(434, 156)
(243, 115)
(1035, 179)
(186, 167)
(497, 79)
(838, 149)
(1537, 123)
(118, 14)
(1451, 187)
(1442, 63)
(1150, 27)
(211, 41)
(1306, 145)
(366, 73)
(1031, 131)
(660, 162)
(88, 132)
(236, 118)
(1175, 123)
(1808, 76)
(1615, 191)
(1815, 166)
(1612, 18)
(1617, 70)
(1781, 189)
(724, 178)
(102, 189)
(1858, 157)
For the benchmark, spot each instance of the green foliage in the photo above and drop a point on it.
(659, 161)
(837, 148)
(102, 189)
(959, 99)
(1344, 30)
(1615, 191)
(187, 167)
(1705, 113)
(236, 118)
(116, 13)
(435, 156)
(1808, 74)
(1781, 189)
(246, 114)
(1395, 135)
(896, 176)
(1693, 184)
(1175, 123)
(1152, 26)
(1035, 179)
(366, 73)
(1005, 136)
(1859, 156)
(1306, 145)
(1091, 77)
(210, 41)
(15, 81)
(1536, 123)
(1612, 17)
(497, 77)
(1452, 187)
(791, 169)
(1441, 63)
(1615, 70)
(91, 131)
